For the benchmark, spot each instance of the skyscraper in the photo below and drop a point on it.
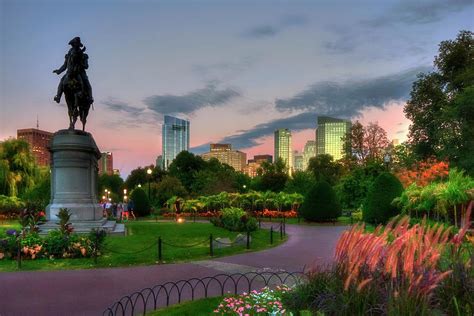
(283, 147)
(297, 161)
(38, 141)
(308, 152)
(175, 134)
(106, 163)
(329, 136)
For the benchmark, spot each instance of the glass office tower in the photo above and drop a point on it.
(175, 139)
(329, 136)
(283, 147)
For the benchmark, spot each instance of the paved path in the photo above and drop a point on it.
(89, 292)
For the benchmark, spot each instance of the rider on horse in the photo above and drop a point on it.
(76, 63)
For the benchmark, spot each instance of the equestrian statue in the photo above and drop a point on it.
(75, 84)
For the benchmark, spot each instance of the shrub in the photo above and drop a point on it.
(141, 203)
(321, 203)
(235, 219)
(10, 205)
(378, 207)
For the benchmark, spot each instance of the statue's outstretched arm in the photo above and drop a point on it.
(63, 67)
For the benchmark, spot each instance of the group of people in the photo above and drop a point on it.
(119, 210)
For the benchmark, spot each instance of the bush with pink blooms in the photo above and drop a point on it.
(264, 302)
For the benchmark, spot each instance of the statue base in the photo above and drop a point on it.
(74, 166)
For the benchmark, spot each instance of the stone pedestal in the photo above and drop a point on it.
(74, 168)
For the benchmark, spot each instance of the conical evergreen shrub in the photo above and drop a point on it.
(321, 203)
(378, 206)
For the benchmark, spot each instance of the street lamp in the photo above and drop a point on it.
(124, 195)
(107, 192)
(139, 185)
(149, 179)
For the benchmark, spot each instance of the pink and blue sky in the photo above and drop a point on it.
(237, 70)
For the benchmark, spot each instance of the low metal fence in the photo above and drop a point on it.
(169, 293)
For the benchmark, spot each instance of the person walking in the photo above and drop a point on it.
(130, 208)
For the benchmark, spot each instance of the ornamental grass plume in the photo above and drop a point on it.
(400, 258)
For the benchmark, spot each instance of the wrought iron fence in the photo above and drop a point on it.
(169, 293)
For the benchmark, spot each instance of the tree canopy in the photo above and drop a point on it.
(441, 105)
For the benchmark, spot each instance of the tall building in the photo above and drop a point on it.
(224, 153)
(253, 164)
(38, 141)
(175, 134)
(308, 152)
(283, 147)
(159, 161)
(106, 163)
(297, 161)
(261, 158)
(329, 136)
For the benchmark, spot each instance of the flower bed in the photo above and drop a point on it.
(276, 214)
(263, 302)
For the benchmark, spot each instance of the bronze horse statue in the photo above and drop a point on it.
(75, 84)
(78, 103)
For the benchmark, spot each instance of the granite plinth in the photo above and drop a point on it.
(74, 172)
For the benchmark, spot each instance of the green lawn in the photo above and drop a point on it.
(202, 307)
(139, 247)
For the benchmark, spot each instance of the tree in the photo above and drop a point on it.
(321, 203)
(18, 169)
(353, 188)
(441, 105)
(140, 176)
(324, 168)
(185, 166)
(140, 201)
(365, 144)
(113, 183)
(300, 182)
(167, 188)
(271, 176)
(378, 207)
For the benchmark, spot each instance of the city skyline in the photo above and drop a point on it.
(238, 70)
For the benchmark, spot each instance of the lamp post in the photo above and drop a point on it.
(149, 171)
(124, 195)
(107, 192)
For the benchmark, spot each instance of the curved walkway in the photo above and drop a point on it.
(89, 292)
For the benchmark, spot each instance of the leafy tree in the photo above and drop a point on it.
(167, 188)
(140, 176)
(365, 144)
(353, 188)
(378, 207)
(185, 166)
(324, 168)
(441, 105)
(18, 169)
(300, 182)
(321, 203)
(140, 201)
(113, 183)
(40, 193)
(214, 178)
(271, 177)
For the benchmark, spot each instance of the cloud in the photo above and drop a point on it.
(192, 101)
(419, 12)
(270, 30)
(119, 106)
(343, 100)
(131, 116)
(348, 99)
